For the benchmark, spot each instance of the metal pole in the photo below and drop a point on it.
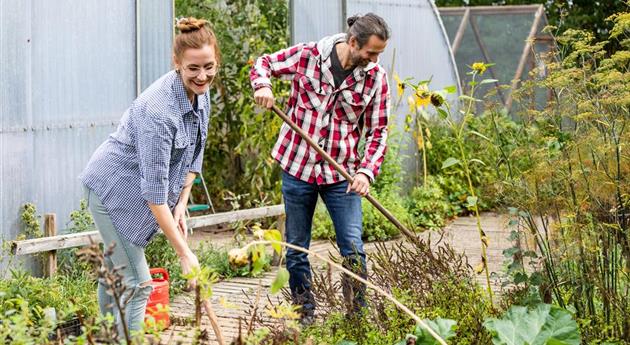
(525, 55)
(138, 58)
(460, 31)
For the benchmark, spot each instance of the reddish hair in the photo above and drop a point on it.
(194, 33)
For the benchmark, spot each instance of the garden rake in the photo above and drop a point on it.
(410, 235)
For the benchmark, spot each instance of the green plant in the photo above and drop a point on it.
(569, 180)
(216, 259)
(160, 253)
(30, 296)
(31, 222)
(431, 279)
(428, 206)
(272, 237)
(19, 327)
(544, 324)
(444, 327)
(459, 128)
(245, 30)
(80, 220)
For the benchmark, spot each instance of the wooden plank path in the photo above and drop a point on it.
(231, 298)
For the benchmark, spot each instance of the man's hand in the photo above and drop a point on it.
(264, 97)
(360, 185)
(179, 214)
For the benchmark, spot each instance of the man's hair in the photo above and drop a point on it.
(362, 27)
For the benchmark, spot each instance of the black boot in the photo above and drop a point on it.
(306, 301)
(353, 290)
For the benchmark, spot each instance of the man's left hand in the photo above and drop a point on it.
(179, 214)
(360, 184)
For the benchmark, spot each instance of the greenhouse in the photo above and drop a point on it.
(315, 172)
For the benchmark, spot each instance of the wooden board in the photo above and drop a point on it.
(45, 244)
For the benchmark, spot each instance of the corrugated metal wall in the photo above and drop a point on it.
(421, 47)
(68, 71)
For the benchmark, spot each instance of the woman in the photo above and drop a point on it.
(140, 178)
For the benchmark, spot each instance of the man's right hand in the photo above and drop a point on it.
(264, 97)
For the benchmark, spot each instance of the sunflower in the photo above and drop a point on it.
(479, 67)
(422, 96)
(437, 99)
(400, 86)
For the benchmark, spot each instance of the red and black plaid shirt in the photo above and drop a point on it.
(333, 116)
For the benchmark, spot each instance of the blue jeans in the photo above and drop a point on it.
(135, 270)
(300, 199)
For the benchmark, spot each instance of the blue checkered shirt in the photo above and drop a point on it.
(159, 140)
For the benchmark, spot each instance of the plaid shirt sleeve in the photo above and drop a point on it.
(281, 64)
(154, 140)
(376, 115)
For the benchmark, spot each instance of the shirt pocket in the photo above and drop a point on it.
(180, 144)
(311, 93)
(353, 104)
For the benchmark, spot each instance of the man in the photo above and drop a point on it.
(338, 91)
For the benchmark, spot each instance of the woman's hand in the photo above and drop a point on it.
(188, 261)
(179, 214)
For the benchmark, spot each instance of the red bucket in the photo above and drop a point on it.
(158, 303)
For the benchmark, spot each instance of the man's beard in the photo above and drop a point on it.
(358, 61)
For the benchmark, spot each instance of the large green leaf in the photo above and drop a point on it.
(541, 325)
(560, 328)
(282, 277)
(274, 235)
(445, 328)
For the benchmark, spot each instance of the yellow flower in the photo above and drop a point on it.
(479, 67)
(422, 96)
(400, 86)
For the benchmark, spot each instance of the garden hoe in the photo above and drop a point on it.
(410, 235)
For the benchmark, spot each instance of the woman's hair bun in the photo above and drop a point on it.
(190, 24)
(352, 19)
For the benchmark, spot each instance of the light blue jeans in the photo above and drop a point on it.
(135, 270)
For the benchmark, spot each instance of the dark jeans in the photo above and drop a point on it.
(300, 199)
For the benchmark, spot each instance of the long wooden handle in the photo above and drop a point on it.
(343, 172)
(214, 322)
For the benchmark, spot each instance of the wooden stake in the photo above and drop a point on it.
(276, 257)
(214, 322)
(50, 230)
